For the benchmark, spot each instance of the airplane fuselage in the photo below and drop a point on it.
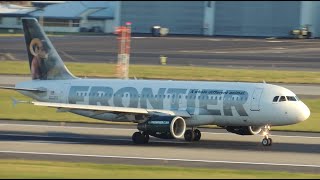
(219, 103)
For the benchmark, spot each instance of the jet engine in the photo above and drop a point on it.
(164, 127)
(244, 130)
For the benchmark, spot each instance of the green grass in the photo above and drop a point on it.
(19, 169)
(31, 112)
(175, 72)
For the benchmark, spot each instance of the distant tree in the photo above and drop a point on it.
(20, 3)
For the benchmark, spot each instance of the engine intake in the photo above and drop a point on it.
(164, 127)
(244, 130)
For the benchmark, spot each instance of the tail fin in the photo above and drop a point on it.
(45, 63)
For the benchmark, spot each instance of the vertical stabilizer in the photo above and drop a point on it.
(45, 63)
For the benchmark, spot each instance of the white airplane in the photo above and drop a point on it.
(163, 109)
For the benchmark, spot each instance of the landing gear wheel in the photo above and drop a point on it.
(146, 137)
(189, 135)
(266, 142)
(270, 141)
(197, 135)
(139, 138)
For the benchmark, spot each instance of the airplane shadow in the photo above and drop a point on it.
(74, 138)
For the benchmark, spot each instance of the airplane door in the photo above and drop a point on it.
(65, 93)
(255, 101)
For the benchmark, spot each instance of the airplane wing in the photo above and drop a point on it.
(112, 109)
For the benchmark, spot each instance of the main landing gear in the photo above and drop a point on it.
(140, 138)
(192, 135)
(266, 141)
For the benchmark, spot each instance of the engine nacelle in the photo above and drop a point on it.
(244, 130)
(164, 127)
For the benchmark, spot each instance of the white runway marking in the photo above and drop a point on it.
(127, 129)
(274, 41)
(163, 159)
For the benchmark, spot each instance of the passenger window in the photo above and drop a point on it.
(282, 98)
(275, 99)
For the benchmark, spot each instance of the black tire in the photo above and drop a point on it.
(146, 137)
(189, 135)
(197, 135)
(138, 138)
(269, 141)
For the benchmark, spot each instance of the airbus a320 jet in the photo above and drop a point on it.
(161, 108)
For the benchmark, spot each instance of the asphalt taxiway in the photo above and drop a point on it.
(102, 143)
(297, 54)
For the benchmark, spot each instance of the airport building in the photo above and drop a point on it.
(10, 16)
(72, 16)
(233, 18)
(210, 18)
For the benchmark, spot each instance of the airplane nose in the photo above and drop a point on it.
(304, 112)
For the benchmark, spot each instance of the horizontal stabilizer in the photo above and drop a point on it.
(15, 101)
(23, 89)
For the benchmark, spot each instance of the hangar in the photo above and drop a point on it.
(232, 18)
(209, 18)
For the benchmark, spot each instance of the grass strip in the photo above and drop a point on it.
(19, 169)
(175, 72)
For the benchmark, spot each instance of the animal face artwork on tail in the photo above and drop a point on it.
(45, 63)
(38, 49)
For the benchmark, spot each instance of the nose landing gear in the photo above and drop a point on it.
(266, 141)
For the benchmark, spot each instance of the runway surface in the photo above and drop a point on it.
(297, 54)
(76, 142)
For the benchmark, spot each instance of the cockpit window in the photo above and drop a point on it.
(275, 99)
(291, 98)
(282, 98)
(297, 98)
